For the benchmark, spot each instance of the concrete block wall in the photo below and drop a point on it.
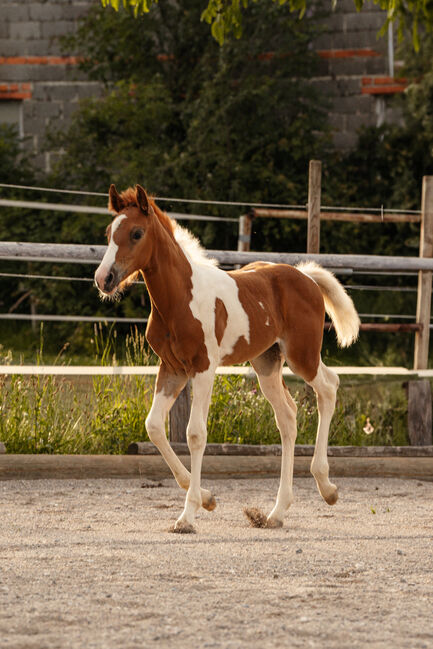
(42, 86)
(38, 80)
(354, 70)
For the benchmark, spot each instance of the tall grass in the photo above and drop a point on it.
(103, 414)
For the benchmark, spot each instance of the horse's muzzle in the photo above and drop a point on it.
(107, 282)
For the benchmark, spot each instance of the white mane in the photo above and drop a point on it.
(192, 247)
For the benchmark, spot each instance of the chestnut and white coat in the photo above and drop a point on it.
(202, 317)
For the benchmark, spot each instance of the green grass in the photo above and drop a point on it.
(104, 414)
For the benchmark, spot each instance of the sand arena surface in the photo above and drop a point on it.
(90, 564)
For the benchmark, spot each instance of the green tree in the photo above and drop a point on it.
(227, 17)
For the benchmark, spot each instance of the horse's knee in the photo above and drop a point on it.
(196, 438)
(155, 429)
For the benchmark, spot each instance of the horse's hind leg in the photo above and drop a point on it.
(268, 367)
(168, 386)
(325, 385)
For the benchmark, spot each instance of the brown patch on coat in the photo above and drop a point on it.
(220, 319)
(293, 313)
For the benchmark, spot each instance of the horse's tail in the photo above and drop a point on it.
(338, 304)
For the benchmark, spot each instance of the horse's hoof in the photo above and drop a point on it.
(255, 517)
(183, 528)
(210, 504)
(274, 523)
(332, 498)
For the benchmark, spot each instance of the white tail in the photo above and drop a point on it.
(338, 304)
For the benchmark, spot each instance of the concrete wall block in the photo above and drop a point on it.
(355, 122)
(76, 10)
(353, 105)
(25, 30)
(43, 47)
(56, 28)
(90, 89)
(16, 73)
(345, 140)
(28, 108)
(14, 11)
(47, 110)
(363, 21)
(377, 66)
(4, 30)
(349, 86)
(46, 11)
(10, 48)
(355, 66)
(34, 126)
(326, 86)
(61, 92)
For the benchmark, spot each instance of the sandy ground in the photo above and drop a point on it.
(90, 564)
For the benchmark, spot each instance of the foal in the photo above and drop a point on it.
(202, 317)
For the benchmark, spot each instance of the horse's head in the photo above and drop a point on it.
(126, 240)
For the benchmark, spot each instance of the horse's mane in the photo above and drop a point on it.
(187, 241)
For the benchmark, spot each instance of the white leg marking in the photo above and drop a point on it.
(325, 385)
(285, 416)
(155, 426)
(196, 436)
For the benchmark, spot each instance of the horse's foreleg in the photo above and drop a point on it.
(196, 437)
(167, 389)
(284, 407)
(325, 385)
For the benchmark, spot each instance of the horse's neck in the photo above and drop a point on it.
(168, 273)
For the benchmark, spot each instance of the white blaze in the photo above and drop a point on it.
(110, 254)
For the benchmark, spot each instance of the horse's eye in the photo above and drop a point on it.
(136, 235)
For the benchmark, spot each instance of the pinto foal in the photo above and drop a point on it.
(202, 317)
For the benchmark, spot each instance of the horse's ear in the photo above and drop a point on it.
(142, 200)
(115, 203)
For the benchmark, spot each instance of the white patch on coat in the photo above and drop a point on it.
(262, 305)
(267, 323)
(208, 285)
(110, 254)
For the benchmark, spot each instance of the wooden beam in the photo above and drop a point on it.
(306, 450)
(28, 467)
(314, 196)
(80, 253)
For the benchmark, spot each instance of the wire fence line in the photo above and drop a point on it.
(62, 278)
(87, 209)
(198, 201)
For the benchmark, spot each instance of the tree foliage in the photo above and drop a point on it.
(227, 17)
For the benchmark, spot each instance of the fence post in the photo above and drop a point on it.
(244, 237)
(314, 195)
(179, 415)
(419, 392)
(423, 307)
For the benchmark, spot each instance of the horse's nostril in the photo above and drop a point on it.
(109, 278)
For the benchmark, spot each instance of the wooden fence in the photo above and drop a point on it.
(420, 423)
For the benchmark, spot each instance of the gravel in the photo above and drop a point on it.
(91, 564)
